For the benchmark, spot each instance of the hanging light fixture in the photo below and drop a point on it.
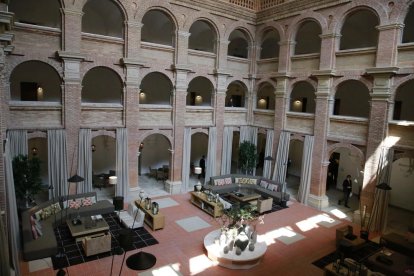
(93, 147)
(34, 151)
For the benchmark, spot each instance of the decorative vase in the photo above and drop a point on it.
(231, 245)
(241, 241)
(223, 238)
(253, 237)
(251, 246)
(238, 251)
(226, 249)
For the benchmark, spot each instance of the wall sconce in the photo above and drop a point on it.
(39, 91)
(297, 102)
(198, 99)
(34, 151)
(141, 146)
(93, 147)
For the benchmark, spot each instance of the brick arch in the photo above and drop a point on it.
(151, 6)
(103, 132)
(37, 134)
(208, 77)
(312, 16)
(298, 137)
(203, 16)
(170, 78)
(11, 66)
(270, 26)
(400, 82)
(199, 130)
(265, 81)
(407, 154)
(351, 147)
(377, 8)
(262, 130)
(313, 83)
(118, 3)
(362, 80)
(85, 68)
(240, 80)
(146, 133)
(401, 11)
(244, 27)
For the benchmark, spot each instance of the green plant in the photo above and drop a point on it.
(247, 157)
(26, 174)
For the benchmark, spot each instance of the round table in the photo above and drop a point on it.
(247, 259)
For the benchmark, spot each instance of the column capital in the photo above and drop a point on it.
(64, 55)
(330, 35)
(287, 42)
(134, 24)
(324, 73)
(390, 26)
(68, 11)
(132, 62)
(184, 34)
(375, 71)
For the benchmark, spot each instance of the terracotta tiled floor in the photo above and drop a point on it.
(176, 246)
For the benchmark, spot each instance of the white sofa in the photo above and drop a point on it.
(127, 217)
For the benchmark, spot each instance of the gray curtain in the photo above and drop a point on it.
(211, 156)
(227, 150)
(122, 184)
(85, 161)
(279, 173)
(267, 167)
(244, 134)
(12, 217)
(4, 249)
(305, 178)
(17, 140)
(57, 162)
(185, 174)
(253, 140)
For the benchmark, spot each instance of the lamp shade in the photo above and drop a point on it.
(112, 180)
(76, 178)
(197, 170)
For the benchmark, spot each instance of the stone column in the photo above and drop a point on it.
(328, 48)
(3, 119)
(72, 29)
(377, 130)
(133, 39)
(285, 51)
(388, 41)
(317, 197)
(182, 47)
(223, 46)
(280, 110)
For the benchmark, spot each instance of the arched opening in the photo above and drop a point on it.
(270, 44)
(199, 151)
(403, 102)
(103, 17)
(359, 30)
(203, 37)
(239, 44)
(101, 85)
(294, 167)
(199, 92)
(35, 81)
(307, 38)
(37, 147)
(408, 33)
(266, 97)
(156, 88)
(352, 99)
(158, 28)
(235, 95)
(34, 13)
(302, 98)
(402, 183)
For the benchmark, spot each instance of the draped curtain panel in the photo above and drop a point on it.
(17, 140)
(279, 173)
(227, 150)
(211, 156)
(4, 249)
(305, 178)
(122, 162)
(244, 134)
(185, 174)
(85, 161)
(267, 168)
(57, 162)
(12, 217)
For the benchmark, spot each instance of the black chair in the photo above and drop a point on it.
(118, 202)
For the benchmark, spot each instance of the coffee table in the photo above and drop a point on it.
(79, 231)
(244, 196)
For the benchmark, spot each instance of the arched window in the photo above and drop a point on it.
(158, 28)
(266, 97)
(352, 99)
(101, 85)
(408, 34)
(359, 30)
(35, 13)
(302, 98)
(156, 88)
(403, 103)
(307, 38)
(102, 17)
(203, 37)
(270, 44)
(238, 46)
(35, 81)
(200, 92)
(235, 96)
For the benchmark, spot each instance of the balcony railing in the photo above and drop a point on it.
(257, 5)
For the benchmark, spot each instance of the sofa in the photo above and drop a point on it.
(38, 237)
(238, 182)
(127, 217)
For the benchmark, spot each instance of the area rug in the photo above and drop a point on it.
(73, 252)
(369, 249)
(166, 202)
(192, 224)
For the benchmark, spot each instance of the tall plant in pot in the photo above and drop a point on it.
(27, 181)
(247, 157)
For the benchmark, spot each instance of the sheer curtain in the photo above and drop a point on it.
(211, 157)
(305, 178)
(85, 161)
(244, 134)
(17, 140)
(122, 184)
(267, 167)
(185, 176)
(57, 161)
(227, 150)
(279, 173)
(253, 140)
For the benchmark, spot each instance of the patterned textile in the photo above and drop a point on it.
(272, 187)
(87, 201)
(264, 184)
(246, 180)
(228, 180)
(75, 204)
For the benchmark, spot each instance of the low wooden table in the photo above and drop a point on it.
(200, 200)
(244, 197)
(79, 231)
(154, 221)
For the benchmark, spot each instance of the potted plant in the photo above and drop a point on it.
(27, 181)
(247, 157)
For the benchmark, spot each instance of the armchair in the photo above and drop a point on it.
(127, 217)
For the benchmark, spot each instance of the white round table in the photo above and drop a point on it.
(247, 259)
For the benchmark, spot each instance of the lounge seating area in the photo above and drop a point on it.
(127, 217)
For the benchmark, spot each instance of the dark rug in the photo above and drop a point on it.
(73, 252)
(275, 206)
(359, 255)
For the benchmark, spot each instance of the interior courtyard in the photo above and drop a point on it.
(141, 91)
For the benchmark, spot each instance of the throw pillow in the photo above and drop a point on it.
(220, 182)
(55, 208)
(46, 212)
(38, 215)
(34, 233)
(74, 204)
(271, 187)
(38, 228)
(263, 184)
(227, 180)
(87, 201)
(252, 181)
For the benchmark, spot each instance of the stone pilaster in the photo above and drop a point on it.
(377, 130)
(72, 26)
(222, 54)
(328, 49)
(182, 47)
(388, 41)
(133, 39)
(282, 84)
(285, 51)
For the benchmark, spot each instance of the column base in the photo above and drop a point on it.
(318, 202)
(173, 187)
